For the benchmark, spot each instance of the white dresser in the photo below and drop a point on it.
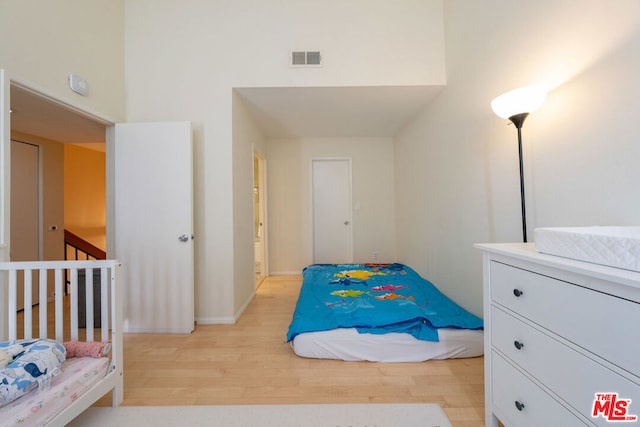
(557, 332)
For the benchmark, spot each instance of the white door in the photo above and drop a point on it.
(153, 186)
(332, 228)
(25, 210)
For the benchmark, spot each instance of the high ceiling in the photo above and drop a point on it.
(279, 112)
(336, 111)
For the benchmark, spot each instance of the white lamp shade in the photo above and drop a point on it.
(523, 100)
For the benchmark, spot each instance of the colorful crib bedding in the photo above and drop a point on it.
(26, 364)
(39, 406)
(375, 299)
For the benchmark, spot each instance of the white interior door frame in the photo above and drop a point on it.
(5, 161)
(5, 182)
(262, 215)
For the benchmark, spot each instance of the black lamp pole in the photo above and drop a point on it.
(518, 120)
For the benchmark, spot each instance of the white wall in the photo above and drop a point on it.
(290, 205)
(45, 41)
(183, 60)
(460, 181)
(246, 138)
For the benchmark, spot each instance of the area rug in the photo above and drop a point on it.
(336, 415)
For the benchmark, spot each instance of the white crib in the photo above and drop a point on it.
(48, 277)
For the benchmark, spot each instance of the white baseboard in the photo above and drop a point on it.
(285, 273)
(215, 320)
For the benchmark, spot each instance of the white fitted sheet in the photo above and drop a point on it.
(350, 345)
(612, 246)
(36, 408)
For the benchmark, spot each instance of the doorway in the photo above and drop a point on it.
(259, 214)
(72, 150)
(332, 216)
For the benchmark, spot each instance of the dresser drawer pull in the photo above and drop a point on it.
(518, 292)
(519, 405)
(518, 345)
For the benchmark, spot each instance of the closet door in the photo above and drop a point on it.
(25, 210)
(332, 229)
(153, 191)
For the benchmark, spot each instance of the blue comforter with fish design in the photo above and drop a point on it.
(375, 299)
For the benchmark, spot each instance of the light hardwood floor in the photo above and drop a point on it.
(251, 363)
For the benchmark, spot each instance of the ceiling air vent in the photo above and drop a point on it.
(301, 58)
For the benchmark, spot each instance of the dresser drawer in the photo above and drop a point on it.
(510, 386)
(569, 374)
(600, 323)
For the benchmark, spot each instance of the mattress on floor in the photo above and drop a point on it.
(611, 246)
(36, 408)
(348, 344)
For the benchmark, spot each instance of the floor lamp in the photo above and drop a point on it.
(516, 105)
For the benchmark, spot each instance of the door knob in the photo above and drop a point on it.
(184, 238)
(347, 222)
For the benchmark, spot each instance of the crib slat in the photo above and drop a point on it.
(59, 313)
(13, 305)
(88, 284)
(74, 304)
(43, 303)
(28, 303)
(104, 307)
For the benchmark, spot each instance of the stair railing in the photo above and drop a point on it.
(80, 248)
